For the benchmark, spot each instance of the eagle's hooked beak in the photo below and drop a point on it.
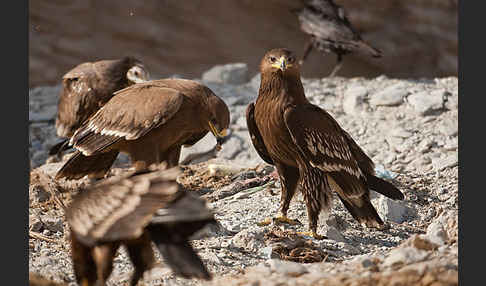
(219, 135)
(282, 64)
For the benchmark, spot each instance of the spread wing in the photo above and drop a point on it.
(129, 114)
(121, 208)
(77, 100)
(325, 145)
(256, 137)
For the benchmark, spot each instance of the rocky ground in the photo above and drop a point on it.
(408, 127)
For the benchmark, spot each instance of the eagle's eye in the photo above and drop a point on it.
(273, 59)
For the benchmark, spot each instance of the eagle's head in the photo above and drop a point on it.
(279, 61)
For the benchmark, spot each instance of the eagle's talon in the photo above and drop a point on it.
(312, 234)
(285, 219)
(265, 222)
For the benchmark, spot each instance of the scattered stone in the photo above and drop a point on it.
(354, 99)
(404, 255)
(448, 127)
(391, 210)
(334, 234)
(236, 73)
(216, 246)
(53, 224)
(249, 240)
(447, 162)
(436, 233)
(287, 268)
(390, 96)
(400, 133)
(35, 224)
(40, 194)
(425, 144)
(421, 242)
(426, 102)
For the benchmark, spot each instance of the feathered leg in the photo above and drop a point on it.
(289, 176)
(141, 255)
(103, 257)
(317, 197)
(173, 155)
(83, 264)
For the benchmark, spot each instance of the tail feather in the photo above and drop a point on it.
(383, 187)
(59, 147)
(79, 165)
(183, 260)
(367, 48)
(363, 211)
(171, 240)
(354, 195)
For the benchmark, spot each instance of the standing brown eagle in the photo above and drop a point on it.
(87, 87)
(133, 211)
(150, 122)
(331, 31)
(309, 148)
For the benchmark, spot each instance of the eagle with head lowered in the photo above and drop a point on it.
(150, 122)
(87, 87)
(308, 147)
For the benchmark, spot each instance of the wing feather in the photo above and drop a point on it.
(256, 137)
(129, 115)
(324, 144)
(120, 208)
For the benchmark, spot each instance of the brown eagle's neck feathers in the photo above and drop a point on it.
(274, 85)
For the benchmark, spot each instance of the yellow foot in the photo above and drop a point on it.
(312, 234)
(280, 219)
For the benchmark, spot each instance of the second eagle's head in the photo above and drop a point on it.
(280, 61)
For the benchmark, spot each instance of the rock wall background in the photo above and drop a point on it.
(418, 38)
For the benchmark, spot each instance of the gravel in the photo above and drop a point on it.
(416, 141)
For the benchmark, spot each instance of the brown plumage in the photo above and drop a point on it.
(331, 31)
(309, 148)
(150, 122)
(133, 211)
(89, 86)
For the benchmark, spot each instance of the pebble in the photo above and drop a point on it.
(35, 224)
(235, 73)
(443, 163)
(390, 96)
(391, 210)
(40, 194)
(404, 255)
(287, 268)
(448, 127)
(250, 240)
(436, 233)
(334, 234)
(426, 102)
(400, 133)
(354, 100)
